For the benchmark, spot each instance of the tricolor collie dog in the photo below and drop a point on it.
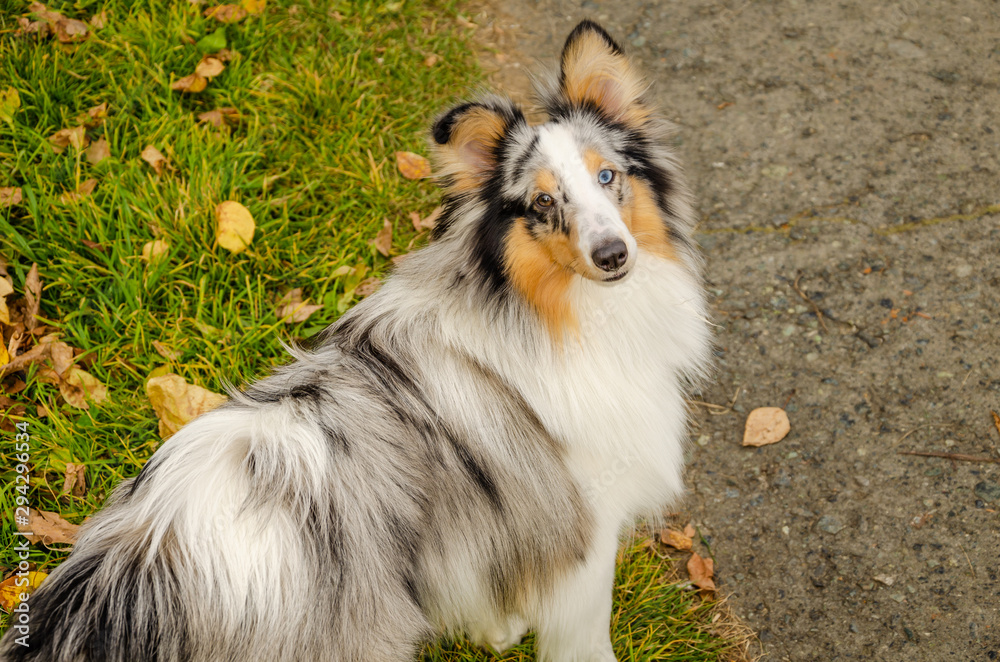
(463, 449)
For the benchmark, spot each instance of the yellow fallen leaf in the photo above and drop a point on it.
(4, 355)
(191, 83)
(155, 158)
(209, 67)
(153, 251)
(254, 6)
(48, 528)
(98, 151)
(675, 539)
(413, 166)
(6, 289)
(383, 240)
(11, 593)
(10, 196)
(765, 425)
(234, 226)
(78, 388)
(176, 402)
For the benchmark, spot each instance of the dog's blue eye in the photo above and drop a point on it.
(605, 176)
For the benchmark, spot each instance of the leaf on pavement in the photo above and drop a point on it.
(701, 571)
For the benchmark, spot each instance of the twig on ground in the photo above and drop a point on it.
(807, 299)
(951, 456)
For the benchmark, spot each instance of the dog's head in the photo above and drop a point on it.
(583, 194)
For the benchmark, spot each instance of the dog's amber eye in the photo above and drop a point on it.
(543, 200)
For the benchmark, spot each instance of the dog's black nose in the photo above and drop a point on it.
(611, 255)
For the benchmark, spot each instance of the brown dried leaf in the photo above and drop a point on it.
(78, 388)
(10, 196)
(69, 30)
(176, 402)
(234, 226)
(98, 151)
(413, 166)
(226, 13)
(99, 20)
(701, 570)
(63, 138)
(690, 531)
(368, 286)
(75, 480)
(431, 60)
(209, 67)
(86, 188)
(383, 240)
(219, 116)
(41, 28)
(155, 158)
(98, 113)
(61, 355)
(766, 425)
(431, 220)
(996, 420)
(675, 539)
(48, 528)
(93, 245)
(33, 296)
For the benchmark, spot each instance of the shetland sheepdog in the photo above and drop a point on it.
(461, 451)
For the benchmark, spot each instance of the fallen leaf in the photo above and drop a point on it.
(61, 356)
(291, 308)
(6, 289)
(431, 220)
(415, 219)
(690, 531)
(78, 388)
(225, 54)
(11, 593)
(10, 196)
(93, 245)
(235, 226)
(888, 580)
(219, 116)
(40, 28)
(368, 286)
(48, 528)
(155, 158)
(413, 166)
(94, 116)
(192, 83)
(211, 43)
(10, 101)
(85, 189)
(226, 13)
(383, 240)
(166, 351)
(431, 60)
(176, 402)
(98, 151)
(69, 30)
(701, 570)
(765, 425)
(99, 20)
(63, 138)
(209, 67)
(33, 297)
(254, 6)
(75, 480)
(996, 420)
(675, 539)
(153, 251)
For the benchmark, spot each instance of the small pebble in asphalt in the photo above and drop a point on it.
(988, 491)
(830, 524)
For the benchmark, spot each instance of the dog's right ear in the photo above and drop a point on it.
(468, 139)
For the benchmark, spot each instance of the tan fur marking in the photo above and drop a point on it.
(467, 157)
(594, 73)
(643, 220)
(545, 182)
(539, 270)
(593, 161)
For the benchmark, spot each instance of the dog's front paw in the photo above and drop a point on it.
(501, 637)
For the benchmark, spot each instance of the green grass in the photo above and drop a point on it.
(326, 92)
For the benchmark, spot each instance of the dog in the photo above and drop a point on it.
(461, 451)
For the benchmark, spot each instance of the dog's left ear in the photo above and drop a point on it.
(595, 72)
